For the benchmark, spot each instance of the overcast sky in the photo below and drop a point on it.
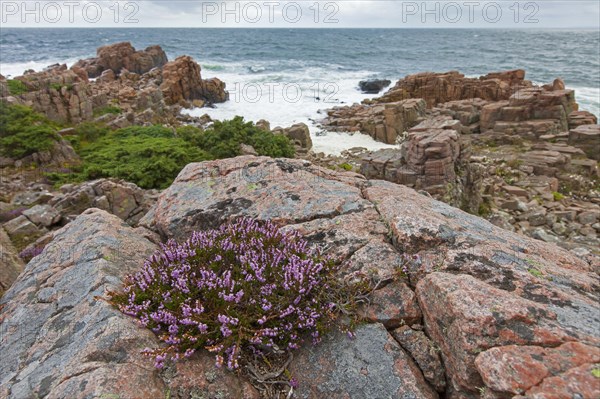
(302, 14)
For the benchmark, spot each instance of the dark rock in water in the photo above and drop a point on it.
(373, 86)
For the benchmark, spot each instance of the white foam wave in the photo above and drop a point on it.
(10, 70)
(292, 96)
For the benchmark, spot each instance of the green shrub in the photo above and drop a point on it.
(16, 87)
(150, 157)
(346, 166)
(24, 132)
(557, 196)
(59, 86)
(109, 109)
(191, 134)
(224, 138)
(91, 131)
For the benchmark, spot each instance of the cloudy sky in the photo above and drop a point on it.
(303, 14)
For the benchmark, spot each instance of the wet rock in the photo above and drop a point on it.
(373, 86)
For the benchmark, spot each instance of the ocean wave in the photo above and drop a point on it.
(17, 68)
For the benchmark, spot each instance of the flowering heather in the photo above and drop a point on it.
(247, 285)
(31, 252)
(5, 216)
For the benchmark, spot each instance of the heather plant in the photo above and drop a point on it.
(247, 287)
(31, 252)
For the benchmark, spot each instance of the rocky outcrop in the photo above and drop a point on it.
(474, 292)
(181, 81)
(119, 56)
(530, 112)
(142, 85)
(510, 133)
(123, 199)
(299, 134)
(587, 137)
(384, 122)
(61, 154)
(517, 370)
(436, 88)
(430, 159)
(36, 215)
(480, 287)
(61, 94)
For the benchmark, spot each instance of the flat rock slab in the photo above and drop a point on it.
(287, 191)
(370, 365)
(58, 340)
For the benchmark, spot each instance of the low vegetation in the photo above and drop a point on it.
(16, 87)
(245, 288)
(149, 156)
(24, 132)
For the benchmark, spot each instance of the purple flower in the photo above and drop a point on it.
(247, 281)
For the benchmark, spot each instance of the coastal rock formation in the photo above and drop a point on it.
(479, 289)
(586, 137)
(384, 122)
(510, 134)
(299, 134)
(181, 81)
(430, 159)
(142, 85)
(530, 112)
(60, 93)
(119, 56)
(436, 88)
